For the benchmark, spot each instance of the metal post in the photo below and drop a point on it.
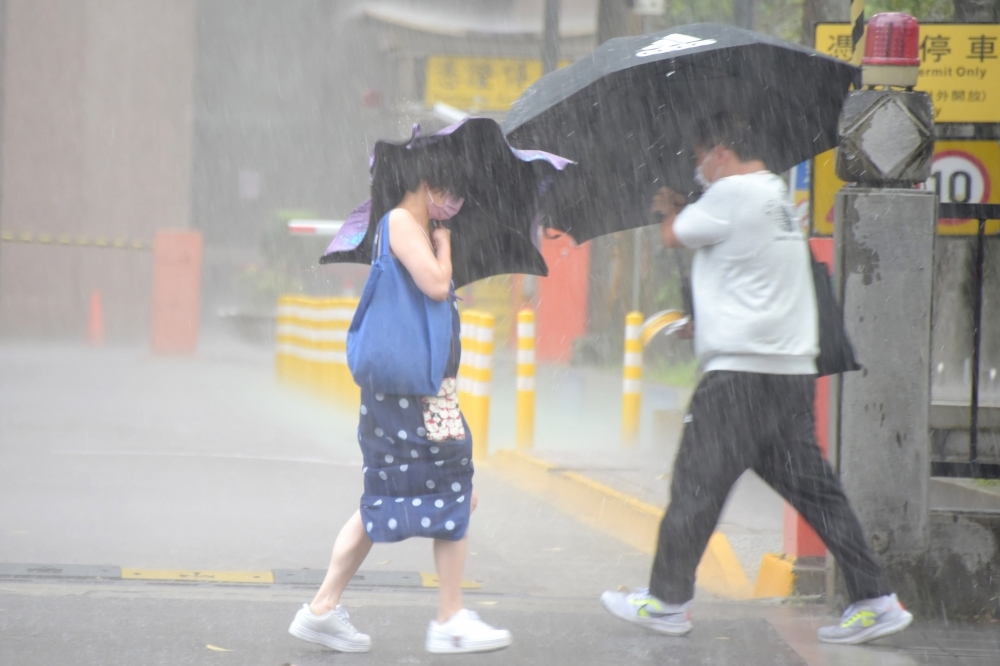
(977, 325)
(743, 13)
(857, 30)
(972, 468)
(550, 37)
(636, 269)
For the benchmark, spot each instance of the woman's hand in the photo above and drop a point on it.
(442, 238)
(430, 267)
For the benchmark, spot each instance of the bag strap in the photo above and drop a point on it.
(381, 238)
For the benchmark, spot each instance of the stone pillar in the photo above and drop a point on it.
(885, 243)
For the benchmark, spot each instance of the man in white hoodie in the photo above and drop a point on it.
(756, 337)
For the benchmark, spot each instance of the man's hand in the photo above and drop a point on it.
(667, 204)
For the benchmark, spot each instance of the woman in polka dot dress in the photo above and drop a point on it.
(417, 453)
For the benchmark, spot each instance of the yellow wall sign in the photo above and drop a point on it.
(962, 172)
(960, 70)
(479, 84)
(959, 67)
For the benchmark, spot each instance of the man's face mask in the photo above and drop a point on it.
(446, 209)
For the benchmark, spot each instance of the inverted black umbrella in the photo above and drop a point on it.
(496, 230)
(626, 114)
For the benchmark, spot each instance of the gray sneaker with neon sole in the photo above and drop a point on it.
(645, 610)
(867, 620)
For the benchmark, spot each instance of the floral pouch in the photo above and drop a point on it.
(442, 418)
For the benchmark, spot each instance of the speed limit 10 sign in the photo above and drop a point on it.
(962, 172)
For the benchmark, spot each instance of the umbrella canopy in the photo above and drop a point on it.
(627, 112)
(496, 231)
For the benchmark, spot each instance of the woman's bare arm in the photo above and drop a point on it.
(430, 268)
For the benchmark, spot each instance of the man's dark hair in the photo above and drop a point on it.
(730, 131)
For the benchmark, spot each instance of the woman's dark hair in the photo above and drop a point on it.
(397, 170)
(733, 132)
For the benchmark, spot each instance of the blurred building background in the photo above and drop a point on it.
(122, 117)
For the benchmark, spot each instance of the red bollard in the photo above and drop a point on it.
(799, 539)
(95, 321)
(176, 292)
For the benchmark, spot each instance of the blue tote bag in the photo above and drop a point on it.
(399, 339)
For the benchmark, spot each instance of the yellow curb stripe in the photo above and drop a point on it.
(633, 502)
(432, 580)
(618, 514)
(199, 576)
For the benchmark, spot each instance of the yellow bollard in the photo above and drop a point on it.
(311, 347)
(525, 380)
(474, 377)
(282, 356)
(470, 348)
(347, 393)
(632, 380)
(481, 387)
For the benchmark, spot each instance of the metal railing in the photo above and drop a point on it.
(973, 468)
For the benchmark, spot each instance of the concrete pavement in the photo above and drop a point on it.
(113, 457)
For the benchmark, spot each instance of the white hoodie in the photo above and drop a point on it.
(754, 299)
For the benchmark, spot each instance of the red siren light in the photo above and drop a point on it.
(892, 51)
(893, 39)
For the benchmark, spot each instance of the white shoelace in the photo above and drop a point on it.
(343, 616)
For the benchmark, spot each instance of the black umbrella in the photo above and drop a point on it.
(498, 227)
(627, 111)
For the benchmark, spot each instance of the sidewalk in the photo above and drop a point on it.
(751, 519)
(578, 429)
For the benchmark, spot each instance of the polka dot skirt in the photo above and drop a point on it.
(413, 486)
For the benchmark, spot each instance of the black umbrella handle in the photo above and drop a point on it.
(686, 296)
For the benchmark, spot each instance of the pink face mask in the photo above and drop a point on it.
(445, 210)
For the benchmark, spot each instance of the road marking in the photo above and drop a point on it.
(199, 576)
(230, 456)
(613, 512)
(31, 571)
(366, 578)
(431, 580)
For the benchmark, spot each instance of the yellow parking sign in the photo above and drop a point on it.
(959, 67)
(960, 70)
(962, 172)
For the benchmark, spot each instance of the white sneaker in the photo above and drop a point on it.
(867, 620)
(332, 629)
(465, 632)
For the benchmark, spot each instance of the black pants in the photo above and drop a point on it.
(740, 421)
